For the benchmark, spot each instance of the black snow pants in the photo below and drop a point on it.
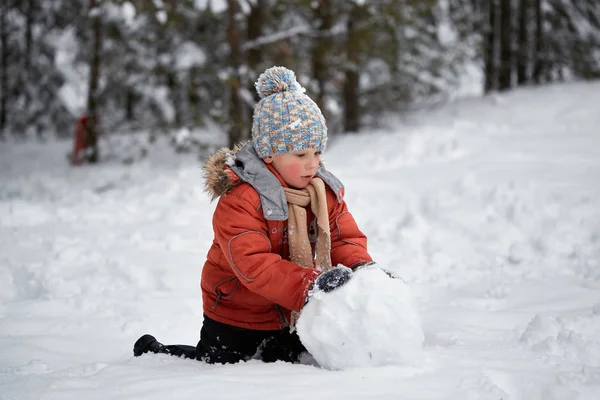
(223, 343)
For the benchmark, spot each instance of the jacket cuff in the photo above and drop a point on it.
(362, 264)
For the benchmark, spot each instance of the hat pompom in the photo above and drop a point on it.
(276, 80)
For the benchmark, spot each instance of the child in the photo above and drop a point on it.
(280, 225)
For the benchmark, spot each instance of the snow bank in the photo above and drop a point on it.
(370, 321)
(488, 208)
(566, 339)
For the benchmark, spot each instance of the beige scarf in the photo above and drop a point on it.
(300, 249)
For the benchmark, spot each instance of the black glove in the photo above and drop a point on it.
(332, 279)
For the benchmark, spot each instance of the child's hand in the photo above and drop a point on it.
(332, 279)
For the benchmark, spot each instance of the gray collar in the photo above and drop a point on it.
(252, 170)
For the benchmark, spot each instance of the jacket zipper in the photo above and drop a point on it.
(220, 294)
(217, 300)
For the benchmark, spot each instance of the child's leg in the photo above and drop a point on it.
(282, 346)
(181, 350)
(149, 344)
(223, 343)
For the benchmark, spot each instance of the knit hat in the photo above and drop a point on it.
(285, 119)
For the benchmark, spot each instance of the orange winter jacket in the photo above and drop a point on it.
(248, 280)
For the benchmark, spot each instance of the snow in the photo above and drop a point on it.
(74, 91)
(370, 321)
(128, 12)
(189, 55)
(486, 207)
(161, 16)
(276, 37)
(216, 6)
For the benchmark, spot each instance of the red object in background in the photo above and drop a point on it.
(82, 139)
(79, 140)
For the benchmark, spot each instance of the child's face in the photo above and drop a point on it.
(296, 169)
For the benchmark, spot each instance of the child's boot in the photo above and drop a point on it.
(148, 343)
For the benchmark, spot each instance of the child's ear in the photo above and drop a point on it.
(268, 160)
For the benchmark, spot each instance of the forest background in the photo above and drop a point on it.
(172, 66)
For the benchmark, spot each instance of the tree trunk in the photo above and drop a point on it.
(129, 105)
(523, 45)
(491, 72)
(320, 50)
(538, 69)
(171, 75)
(173, 85)
(3, 68)
(352, 72)
(236, 123)
(256, 20)
(27, 62)
(93, 127)
(29, 18)
(505, 71)
(193, 99)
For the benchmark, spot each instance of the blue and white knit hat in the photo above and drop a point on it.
(285, 119)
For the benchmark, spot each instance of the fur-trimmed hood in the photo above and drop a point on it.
(228, 167)
(218, 176)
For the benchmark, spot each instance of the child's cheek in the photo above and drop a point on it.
(295, 169)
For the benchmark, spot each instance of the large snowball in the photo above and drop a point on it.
(372, 320)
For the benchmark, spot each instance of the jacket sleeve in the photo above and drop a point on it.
(348, 243)
(241, 232)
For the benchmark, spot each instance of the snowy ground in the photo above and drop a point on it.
(489, 208)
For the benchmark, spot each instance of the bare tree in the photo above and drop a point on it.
(29, 18)
(491, 47)
(354, 53)
(538, 69)
(505, 70)
(236, 116)
(93, 127)
(523, 44)
(3, 67)
(256, 21)
(321, 48)
(27, 62)
(172, 78)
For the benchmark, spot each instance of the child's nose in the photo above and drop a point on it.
(314, 163)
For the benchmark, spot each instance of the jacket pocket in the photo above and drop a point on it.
(225, 288)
